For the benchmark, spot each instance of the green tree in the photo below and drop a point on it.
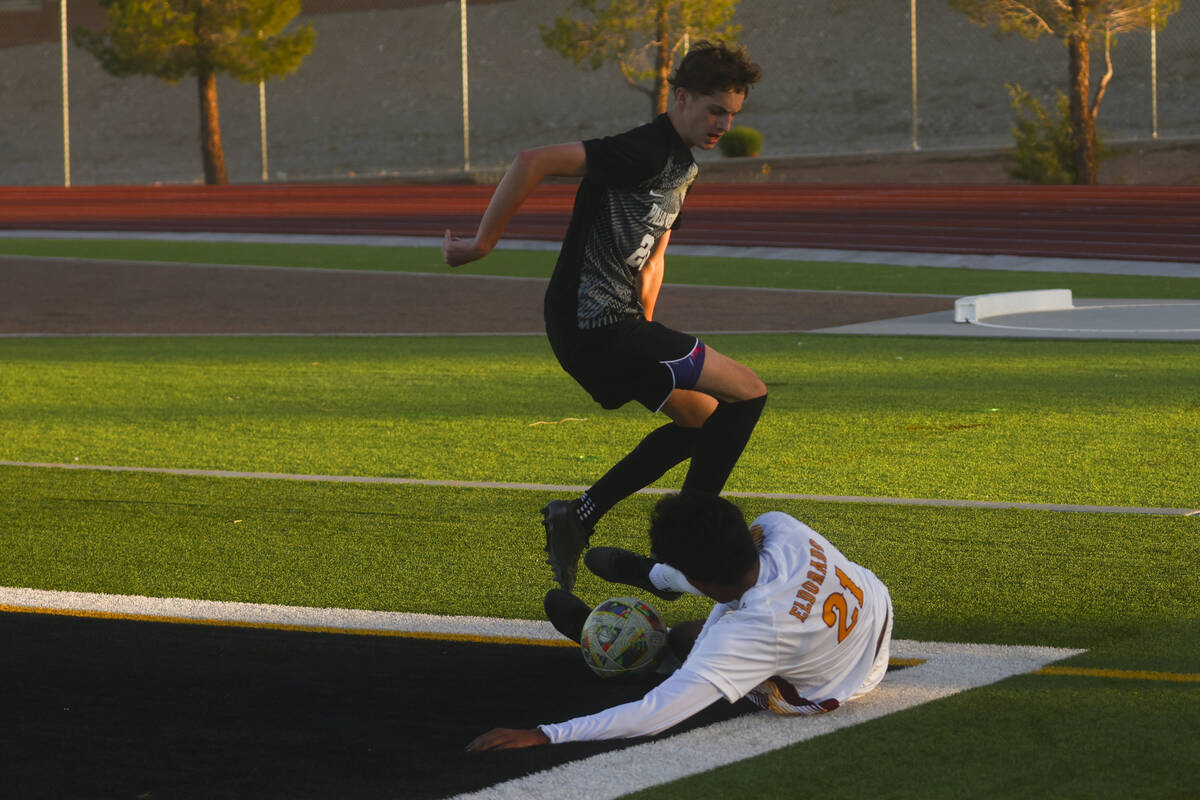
(643, 37)
(1045, 146)
(172, 39)
(1079, 24)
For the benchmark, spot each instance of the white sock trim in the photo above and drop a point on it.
(664, 576)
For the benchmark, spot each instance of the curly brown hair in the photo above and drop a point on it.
(711, 67)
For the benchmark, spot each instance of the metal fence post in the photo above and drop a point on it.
(912, 15)
(462, 13)
(66, 103)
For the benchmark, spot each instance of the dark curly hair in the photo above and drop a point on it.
(711, 67)
(703, 536)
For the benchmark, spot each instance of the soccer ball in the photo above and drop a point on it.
(623, 637)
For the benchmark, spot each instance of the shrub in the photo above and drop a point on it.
(1045, 143)
(740, 141)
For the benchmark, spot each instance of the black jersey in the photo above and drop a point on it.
(631, 195)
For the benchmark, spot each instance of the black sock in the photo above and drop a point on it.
(662, 449)
(720, 444)
(566, 613)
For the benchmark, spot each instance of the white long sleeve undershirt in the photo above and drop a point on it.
(672, 701)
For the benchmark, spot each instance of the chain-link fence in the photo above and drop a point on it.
(381, 93)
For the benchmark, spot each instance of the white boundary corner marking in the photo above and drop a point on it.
(947, 669)
(973, 309)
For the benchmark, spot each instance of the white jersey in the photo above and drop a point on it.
(805, 637)
(813, 632)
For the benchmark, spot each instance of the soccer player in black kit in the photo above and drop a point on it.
(599, 306)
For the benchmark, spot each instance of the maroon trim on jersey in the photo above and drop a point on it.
(879, 642)
(788, 692)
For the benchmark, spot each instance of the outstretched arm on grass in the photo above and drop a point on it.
(529, 169)
(678, 697)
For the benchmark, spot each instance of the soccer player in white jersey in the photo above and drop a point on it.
(798, 628)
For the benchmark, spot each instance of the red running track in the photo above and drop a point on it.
(1151, 223)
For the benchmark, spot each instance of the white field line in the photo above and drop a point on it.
(948, 668)
(299, 618)
(541, 487)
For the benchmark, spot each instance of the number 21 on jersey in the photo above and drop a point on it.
(835, 610)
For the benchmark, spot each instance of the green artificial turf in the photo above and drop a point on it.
(1098, 423)
(1079, 422)
(1106, 423)
(1121, 585)
(1029, 736)
(1009, 577)
(698, 270)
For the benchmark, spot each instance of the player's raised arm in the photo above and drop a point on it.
(529, 169)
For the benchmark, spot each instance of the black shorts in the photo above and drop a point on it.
(623, 362)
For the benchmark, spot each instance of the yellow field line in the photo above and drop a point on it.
(905, 662)
(1122, 674)
(279, 626)
(1090, 672)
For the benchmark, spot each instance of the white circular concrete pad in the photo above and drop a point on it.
(1151, 318)
(1045, 313)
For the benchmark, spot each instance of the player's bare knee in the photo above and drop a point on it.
(731, 380)
(750, 386)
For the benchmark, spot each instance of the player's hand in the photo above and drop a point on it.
(457, 251)
(507, 739)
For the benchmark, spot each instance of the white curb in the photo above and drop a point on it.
(974, 308)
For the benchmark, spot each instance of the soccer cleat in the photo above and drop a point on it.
(566, 538)
(566, 613)
(622, 566)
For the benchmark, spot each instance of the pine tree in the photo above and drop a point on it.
(173, 39)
